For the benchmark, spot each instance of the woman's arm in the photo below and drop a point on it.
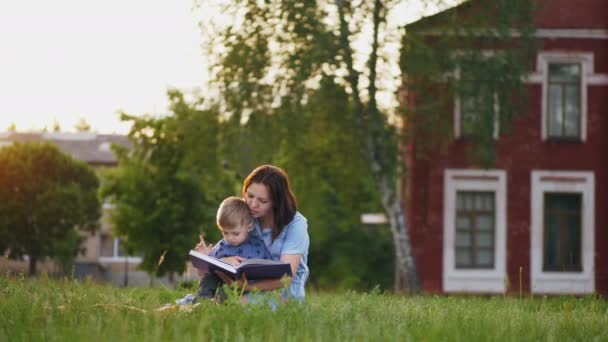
(272, 284)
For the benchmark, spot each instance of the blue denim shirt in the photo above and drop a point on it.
(253, 247)
(292, 240)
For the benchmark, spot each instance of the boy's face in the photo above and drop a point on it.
(236, 235)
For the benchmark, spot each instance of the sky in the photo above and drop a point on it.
(65, 60)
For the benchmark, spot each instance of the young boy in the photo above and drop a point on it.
(235, 222)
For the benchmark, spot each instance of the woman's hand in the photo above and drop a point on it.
(202, 247)
(240, 283)
(261, 285)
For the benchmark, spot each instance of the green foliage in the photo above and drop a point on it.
(81, 126)
(468, 52)
(45, 196)
(280, 71)
(335, 187)
(166, 189)
(331, 181)
(80, 311)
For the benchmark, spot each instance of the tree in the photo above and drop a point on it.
(81, 126)
(274, 52)
(334, 188)
(46, 197)
(168, 186)
(56, 127)
(332, 184)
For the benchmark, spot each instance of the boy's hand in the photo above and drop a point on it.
(203, 247)
(234, 260)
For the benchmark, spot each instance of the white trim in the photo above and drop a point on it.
(374, 218)
(585, 59)
(597, 79)
(534, 78)
(540, 33)
(115, 259)
(572, 33)
(566, 56)
(593, 79)
(474, 280)
(562, 181)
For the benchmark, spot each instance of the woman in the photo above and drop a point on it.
(277, 221)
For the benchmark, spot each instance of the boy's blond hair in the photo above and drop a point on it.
(233, 212)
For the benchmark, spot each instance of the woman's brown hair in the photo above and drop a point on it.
(284, 204)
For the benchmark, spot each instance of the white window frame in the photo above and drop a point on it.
(581, 182)
(474, 280)
(458, 116)
(586, 62)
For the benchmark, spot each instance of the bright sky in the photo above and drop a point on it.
(66, 59)
(62, 60)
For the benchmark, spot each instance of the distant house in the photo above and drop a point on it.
(540, 216)
(104, 258)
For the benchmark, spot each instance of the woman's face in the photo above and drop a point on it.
(258, 200)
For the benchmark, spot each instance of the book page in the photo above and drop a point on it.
(254, 261)
(217, 262)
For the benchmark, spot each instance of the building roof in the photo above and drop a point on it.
(90, 147)
(440, 17)
(549, 14)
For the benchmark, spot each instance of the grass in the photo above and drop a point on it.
(60, 310)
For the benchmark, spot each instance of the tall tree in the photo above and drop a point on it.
(56, 127)
(167, 187)
(334, 187)
(45, 197)
(274, 52)
(332, 183)
(81, 126)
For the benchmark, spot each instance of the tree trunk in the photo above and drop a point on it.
(125, 281)
(32, 268)
(406, 276)
(370, 123)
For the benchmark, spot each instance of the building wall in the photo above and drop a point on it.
(518, 155)
(586, 14)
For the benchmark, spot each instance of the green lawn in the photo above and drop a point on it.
(52, 310)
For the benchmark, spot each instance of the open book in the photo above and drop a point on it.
(254, 269)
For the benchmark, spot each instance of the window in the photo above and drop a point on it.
(469, 110)
(474, 244)
(112, 249)
(562, 227)
(469, 115)
(474, 231)
(562, 232)
(564, 100)
(565, 77)
(106, 248)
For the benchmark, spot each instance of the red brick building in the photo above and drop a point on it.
(539, 217)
